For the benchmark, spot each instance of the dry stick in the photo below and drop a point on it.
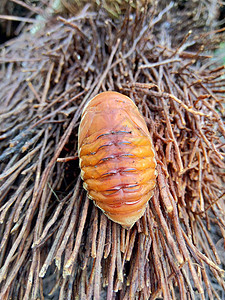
(163, 187)
(219, 214)
(67, 235)
(211, 204)
(134, 278)
(207, 282)
(141, 262)
(91, 59)
(21, 282)
(122, 239)
(170, 83)
(74, 26)
(112, 262)
(174, 194)
(178, 49)
(105, 271)
(20, 108)
(128, 247)
(101, 244)
(36, 280)
(215, 294)
(183, 248)
(20, 59)
(144, 225)
(59, 70)
(68, 267)
(34, 269)
(62, 95)
(163, 62)
(209, 239)
(41, 291)
(108, 240)
(131, 245)
(68, 251)
(220, 280)
(189, 109)
(32, 141)
(57, 110)
(16, 268)
(18, 193)
(9, 181)
(147, 287)
(32, 8)
(16, 227)
(62, 287)
(138, 226)
(82, 294)
(38, 172)
(118, 257)
(47, 194)
(156, 293)
(217, 116)
(160, 15)
(172, 136)
(157, 264)
(175, 267)
(189, 284)
(87, 253)
(16, 18)
(22, 236)
(205, 156)
(20, 137)
(109, 65)
(66, 159)
(11, 92)
(200, 167)
(194, 150)
(171, 288)
(7, 230)
(11, 132)
(22, 202)
(30, 276)
(26, 158)
(32, 88)
(91, 281)
(201, 255)
(94, 233)
(47, 85)
(49, 224)
(185, 220)
(134, 46)
(166, 230)
(60, 232)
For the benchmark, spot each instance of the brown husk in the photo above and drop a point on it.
(54, 243)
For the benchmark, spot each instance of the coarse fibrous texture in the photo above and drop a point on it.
(54, 243)
(116, 157)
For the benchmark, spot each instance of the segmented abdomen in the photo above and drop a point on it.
(116, 157)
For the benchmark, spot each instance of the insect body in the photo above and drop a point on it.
(116, 157)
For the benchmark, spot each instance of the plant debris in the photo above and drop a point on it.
(54, 243)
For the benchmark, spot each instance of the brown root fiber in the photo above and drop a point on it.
(54, 244)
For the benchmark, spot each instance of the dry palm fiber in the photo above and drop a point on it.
(54, 242)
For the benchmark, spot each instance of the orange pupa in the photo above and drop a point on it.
(117, 160)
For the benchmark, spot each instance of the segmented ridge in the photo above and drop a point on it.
(113, 179)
